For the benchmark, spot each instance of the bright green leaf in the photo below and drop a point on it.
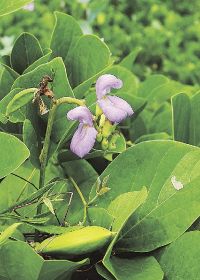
(66, 33)
(128, 60)
(19, 100)
(26, 50)
(153, 164)
(138, 268)
(13, 153)
(8, 232)
(89, 56)
(31, 141)
(123, 205)
(9, 6)
(180, 260)
(19, 261)
(186, 118)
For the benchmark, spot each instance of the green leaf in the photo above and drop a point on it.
(12, 72)
(26, 50)
(153, 136)
(85, 176)
(5, 60)
(121, 217)
(130, 81)
(157, 89)
(19, 261)
(9, 6)
(138, 268)
(153, 164)
(19, 100)
(186, 118)
(132, 200)
(49, 205)
(162, 119)
(181, 117)
(63, 269)
(89, 56)
(13, 153)
(128, 60)
(66, 32)
(31, 141)
(7, 79)
(17, 235)
(138, 127)
(41, 60)
(150, 84)
(31, 198)
(100, 217)
(21, 219)
(18, 186)
(5, 101)
(67, 155)
(180, 260)
(104, 272)
(81, 90)
(8, 232)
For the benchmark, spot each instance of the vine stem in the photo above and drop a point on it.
(45, 150)
(85, 205)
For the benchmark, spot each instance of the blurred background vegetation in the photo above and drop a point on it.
(168, 32)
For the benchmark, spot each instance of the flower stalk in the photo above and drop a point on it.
(45, 150)
(85, 205)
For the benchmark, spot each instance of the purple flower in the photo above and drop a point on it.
(114, 108)
(85, 136)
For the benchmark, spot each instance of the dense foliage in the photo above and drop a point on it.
(128, 205)
(166, 32)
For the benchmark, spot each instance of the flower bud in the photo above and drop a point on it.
(102, 121)
(98, 111)
(107, 129)
(112, 146)
(103, 190)
(104, 144)
(99, 137)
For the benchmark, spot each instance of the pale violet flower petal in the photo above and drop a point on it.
(115, 108)
(81, 114)
(105, 83)
(176, 184)
(83, 140)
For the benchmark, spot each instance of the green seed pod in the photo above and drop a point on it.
(78, 242)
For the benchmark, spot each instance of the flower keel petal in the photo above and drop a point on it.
(83, 140)
(115, 109)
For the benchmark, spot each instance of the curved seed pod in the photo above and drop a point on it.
(78, 242)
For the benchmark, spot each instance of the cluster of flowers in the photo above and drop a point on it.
(114, 108)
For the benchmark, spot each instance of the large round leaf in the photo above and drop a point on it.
(19, 261)
(167, 213)
(181, 259)
(13, 153)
